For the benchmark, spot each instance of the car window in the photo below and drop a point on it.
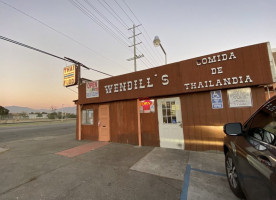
(263, 125)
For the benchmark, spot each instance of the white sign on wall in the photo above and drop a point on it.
(92, 89)
(239, 97)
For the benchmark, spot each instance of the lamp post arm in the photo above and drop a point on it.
(164, 53)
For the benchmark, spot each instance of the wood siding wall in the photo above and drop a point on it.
(203, 126)
(90, 132)
(191, 80)
(247, 67)
(123, 122)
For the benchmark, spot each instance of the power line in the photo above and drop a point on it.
(59, 32)
(124, 12)
(113, 13)
(49, 54)
(145, 57)
(107, 20)
(89, 14)
(27, 46)
(134, 45)
(158, 55)
(71, 90)
(80, 6)
(92, 16)
(138, 28)
(97, 20)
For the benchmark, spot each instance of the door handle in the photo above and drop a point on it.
(264, 160)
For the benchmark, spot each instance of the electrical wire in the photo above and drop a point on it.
(85, 10)
(158, 55)
(107, 20)
(124, 12)
(59, 32)
(27, 46)
(113, 13)
(44, 52)
(71, 90)
(82, 7)
(94, 18)
(101, 24)
(133, 23)
(63, 34)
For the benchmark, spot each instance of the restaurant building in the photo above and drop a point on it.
(182, 105)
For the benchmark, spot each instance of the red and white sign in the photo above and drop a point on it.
(92, 89)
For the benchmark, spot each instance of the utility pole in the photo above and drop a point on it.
(78, 69)
(134, 45)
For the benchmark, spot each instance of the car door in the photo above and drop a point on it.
(252, 173)
(273, 176)
(257, 156)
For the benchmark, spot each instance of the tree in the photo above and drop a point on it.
(59, 115)
(4, 111)
(52, 115)
(71, 115)
(23, 114)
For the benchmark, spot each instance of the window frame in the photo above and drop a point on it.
(87, 117)
(170, 113)
(249, 127)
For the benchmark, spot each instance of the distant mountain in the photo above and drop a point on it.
(18, 109)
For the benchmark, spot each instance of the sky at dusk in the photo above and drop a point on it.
(95, 33)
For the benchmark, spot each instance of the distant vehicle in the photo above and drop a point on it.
(250, 154)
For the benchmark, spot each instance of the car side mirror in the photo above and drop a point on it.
(233, 129)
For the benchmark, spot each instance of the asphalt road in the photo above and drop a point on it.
(33, 167)
(25, 131)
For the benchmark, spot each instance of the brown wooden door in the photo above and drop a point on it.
(104, 128)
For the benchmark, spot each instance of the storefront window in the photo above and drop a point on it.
(87, 117)
(147, 106)
(169, 112)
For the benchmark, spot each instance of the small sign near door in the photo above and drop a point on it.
(216, 98)
(147, 106)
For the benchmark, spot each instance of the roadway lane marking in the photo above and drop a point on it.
(82, 149)
(184, 193)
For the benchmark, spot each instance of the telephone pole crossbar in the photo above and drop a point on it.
(134, 46)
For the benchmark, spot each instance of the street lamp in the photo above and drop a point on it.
(157, 43)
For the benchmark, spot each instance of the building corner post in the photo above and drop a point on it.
(78, 122)
(139, 123)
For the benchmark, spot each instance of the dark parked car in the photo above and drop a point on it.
(250, 154)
